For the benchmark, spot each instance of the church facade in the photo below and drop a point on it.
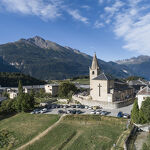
(104, 88)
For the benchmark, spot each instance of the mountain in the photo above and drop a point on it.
(44, 59)
(139, 66)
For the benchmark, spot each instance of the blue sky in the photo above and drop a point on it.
(114, 29)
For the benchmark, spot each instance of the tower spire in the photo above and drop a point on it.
(95, 64)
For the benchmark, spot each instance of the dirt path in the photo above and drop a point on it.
(72, 140)
(41, 134)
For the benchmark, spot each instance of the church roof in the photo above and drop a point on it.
(103, 76)
(144, 91)
(95, 64)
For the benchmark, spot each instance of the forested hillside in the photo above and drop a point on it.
(47, 60)
(12, 79)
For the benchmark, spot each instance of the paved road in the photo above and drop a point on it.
(113, 112)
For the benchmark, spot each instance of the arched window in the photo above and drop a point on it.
(92, 72)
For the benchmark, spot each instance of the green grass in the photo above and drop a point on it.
(146, 145)
(24, 127)
(85, 132)
(82, 81)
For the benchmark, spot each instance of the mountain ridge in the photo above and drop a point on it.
(45, 59)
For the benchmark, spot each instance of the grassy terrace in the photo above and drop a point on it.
(85, 132)
(22, 127)
(82, 81)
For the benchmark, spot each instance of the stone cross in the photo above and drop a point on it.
(99, 89)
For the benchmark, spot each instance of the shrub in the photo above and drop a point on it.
(144, 115)
(145, 147)
(66, 89)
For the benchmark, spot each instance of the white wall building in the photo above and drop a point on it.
(13, 94)
(52, 89)
(142, 95)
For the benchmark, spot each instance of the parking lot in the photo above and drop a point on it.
(54, 109)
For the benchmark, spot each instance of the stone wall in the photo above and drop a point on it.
(109, 105)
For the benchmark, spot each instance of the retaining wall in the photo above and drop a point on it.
(110, 105)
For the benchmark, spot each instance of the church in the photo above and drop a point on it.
(106, 89)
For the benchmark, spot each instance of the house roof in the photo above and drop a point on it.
(103, 76)
(137, 82)
(144, 91)
(120, 86)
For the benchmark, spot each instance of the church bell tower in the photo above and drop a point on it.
(94, 69)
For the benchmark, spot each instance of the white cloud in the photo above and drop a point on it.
(86, 7)
(44, 9)
(114, 8)
(76, 15)
(133, 25)
(98, 24)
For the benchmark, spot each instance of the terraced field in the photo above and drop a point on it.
(21, 128)
(82, 132)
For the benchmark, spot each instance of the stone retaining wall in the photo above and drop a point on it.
(110, 105)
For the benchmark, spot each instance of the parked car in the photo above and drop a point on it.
(86, 107)
(82, 106)
(61, 106)
(73, 106)
(125, 115)
(78, 111)
(78, 106)
(92, 112)
(37, 112)
(120, 114)
(98, 112)
(73, 111)
(104, 113)
(65, 106)
(90, 108)
(57, 106)
(61, 111)
(44, 110)
(32, 112)
(53, 106)
(95, 107)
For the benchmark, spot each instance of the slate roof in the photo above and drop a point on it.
(144, 91)
(103, 76)
(137, 82)
(120, 86)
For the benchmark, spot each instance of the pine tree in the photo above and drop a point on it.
(19, 97)
(135, 112)
(20, 88)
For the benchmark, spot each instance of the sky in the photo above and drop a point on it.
(114, 29)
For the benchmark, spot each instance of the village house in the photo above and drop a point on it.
(13, 92)
(35, 88)
(52, 89)
(138, 84)
(142, 95)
